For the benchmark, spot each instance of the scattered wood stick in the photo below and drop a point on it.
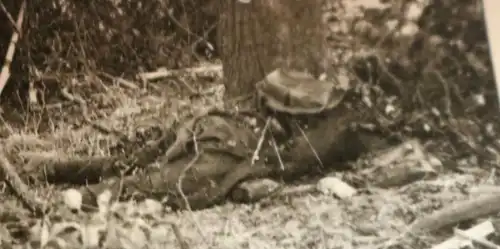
(182, 242)
(181, 190)
(183, 173)
(11, 20)
(163, 73)
(5, 74)
(255, 155)
(460, 211)
(20, 189)
(475, 238)
(119, 80)
(481, 230)
(310, 145)
(191, 89)
(277, 152)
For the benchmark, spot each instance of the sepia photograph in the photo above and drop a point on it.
(293, 124)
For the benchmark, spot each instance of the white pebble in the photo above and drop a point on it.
(73, 198)
(150, 207)
(332, 185)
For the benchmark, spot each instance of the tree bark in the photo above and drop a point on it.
(257, 37)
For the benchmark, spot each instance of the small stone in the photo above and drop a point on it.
(150, 207)
(333, 185)
(73, 199)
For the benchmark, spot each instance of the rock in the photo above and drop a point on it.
(332, 185)
(253, 190)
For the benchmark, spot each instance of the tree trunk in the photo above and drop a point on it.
(257, 37)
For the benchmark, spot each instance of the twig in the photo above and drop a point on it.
(464, 210)
(446, 90)
(120, 80)
(183, 173)
(481, 230)
(255, 155)
(310, 145)
(5, 74)
(476, 239)
(181, 192)
(203, 39)
(11, 20)
(10, 176)
(182, 242)
(216, 68)
(191, 89)
(276, 150)
(120, 189)
(187, 31)
(395, 81)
